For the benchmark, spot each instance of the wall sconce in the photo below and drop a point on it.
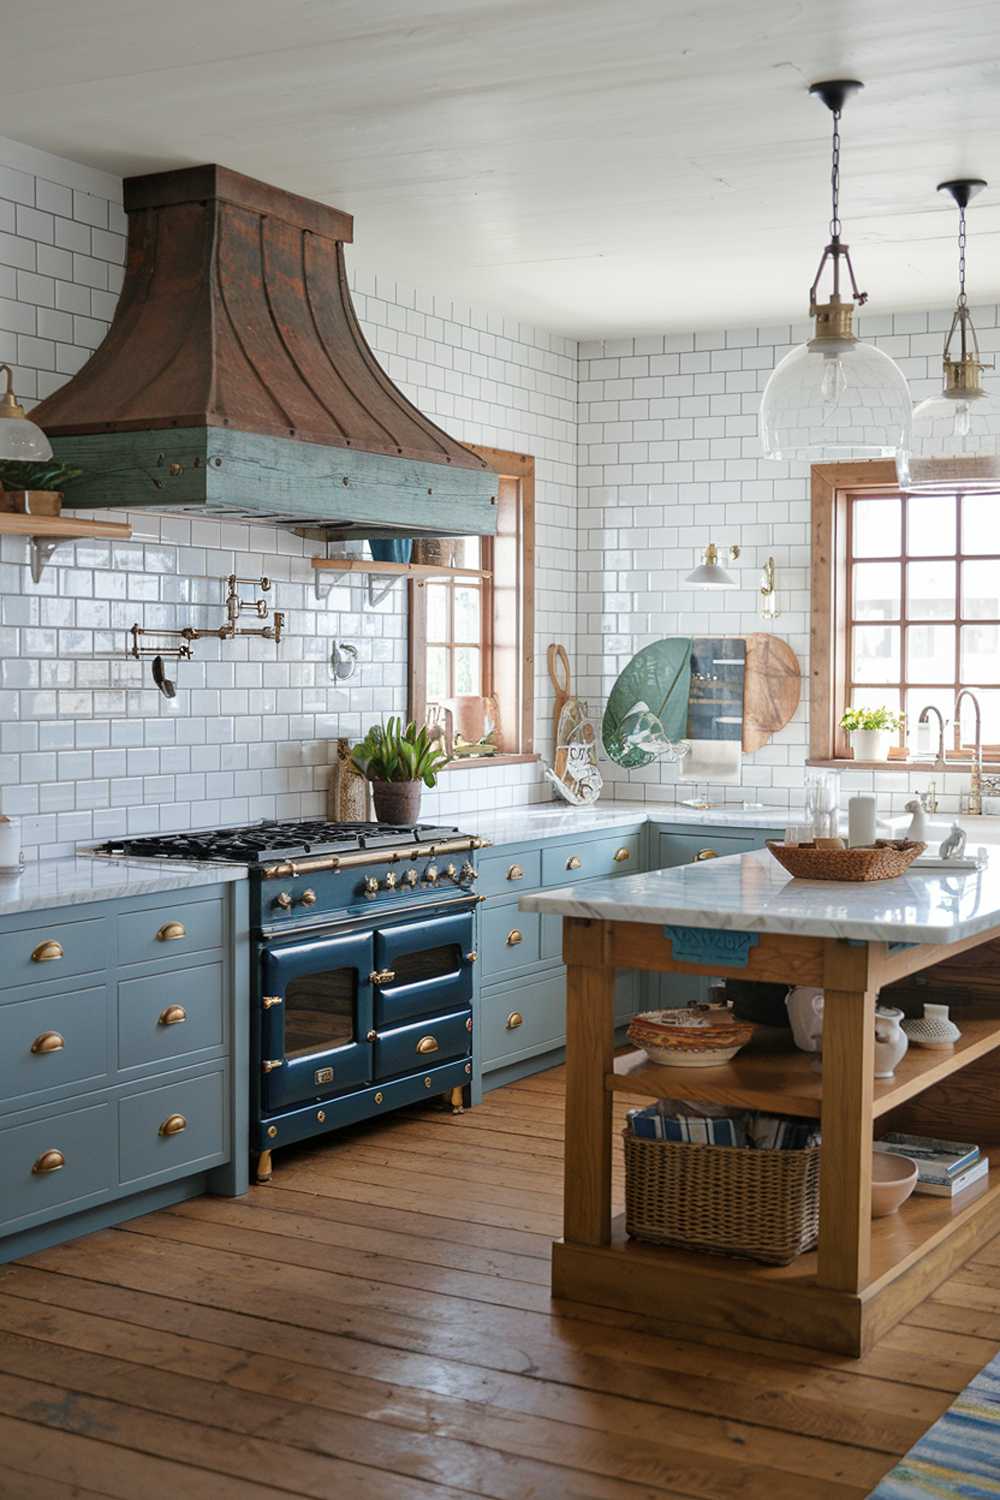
(710, 574)
(768, 596)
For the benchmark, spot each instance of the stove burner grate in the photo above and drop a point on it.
(270, 840)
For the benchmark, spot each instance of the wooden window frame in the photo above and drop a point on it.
(833, 487)
(508, 638)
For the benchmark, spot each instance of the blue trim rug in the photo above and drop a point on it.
(959, 1457)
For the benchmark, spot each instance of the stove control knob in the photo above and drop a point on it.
(308, 898)
(370, 887)
(469, 872)
(451, 873)
(391, 881)
(411, 877)
(283, 900)
(431, 874)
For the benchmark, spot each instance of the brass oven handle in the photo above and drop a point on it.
(174, 1015)
(49, 1041)
(707, 854)
(49, 1161)
(514, 937)
(47, 952)
(515, 873)
(173, 1125)
(382, 976)
(271, 1000)
(270, 1063)
(427, 1044)
(622, 854)
(514, 1020)
(170, 932)
(574, 862)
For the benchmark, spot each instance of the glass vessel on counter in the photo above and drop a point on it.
(823, 803)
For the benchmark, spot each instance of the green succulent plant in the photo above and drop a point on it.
(397, 752)
(19, 474)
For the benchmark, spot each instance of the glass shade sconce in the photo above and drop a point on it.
(20, 440)
(710, 574)
(768, 594)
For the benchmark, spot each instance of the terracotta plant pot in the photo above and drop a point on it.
(397, 801)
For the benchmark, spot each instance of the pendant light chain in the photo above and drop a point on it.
(963, 300)
(835, 225)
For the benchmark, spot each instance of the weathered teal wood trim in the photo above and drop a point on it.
(711, 945)
(215, 471)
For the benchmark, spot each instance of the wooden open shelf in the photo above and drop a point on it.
(770, 1073)
(391, 569)
(61, 528)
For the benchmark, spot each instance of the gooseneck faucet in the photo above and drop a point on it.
(976, 776)
(925, 718)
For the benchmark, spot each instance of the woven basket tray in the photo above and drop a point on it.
(761, 1205)
(883, 861)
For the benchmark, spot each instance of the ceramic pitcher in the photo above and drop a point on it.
(891, 1042)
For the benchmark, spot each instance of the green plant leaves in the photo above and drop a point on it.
(18, 474)
(394, 752)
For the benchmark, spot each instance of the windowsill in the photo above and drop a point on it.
(901, 765)
(484, 762)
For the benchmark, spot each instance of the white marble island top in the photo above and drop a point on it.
(752, 893)
(79, 879)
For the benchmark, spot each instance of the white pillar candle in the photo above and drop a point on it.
(10, 844)
(860, 822)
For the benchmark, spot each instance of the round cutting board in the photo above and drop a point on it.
(772, 688)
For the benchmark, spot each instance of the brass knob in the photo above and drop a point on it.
(411, 877)
(46, 952)
(382, 976)
(170, 932)
(451, 872)
(370, 887)
(271, 1000)
(514, 1020)
(321, 1116)
(391, 880)
(379, 1097)
(431, 874)
(471, 957)
(270, 1063)
(427, 1044)
(283, 900)
(49, 1161)
(174, 1015)
(272, 1131)
(371, 1036)
(515, 873)
(173, 1125)
(574, 862)
(428, 1083)
(468, 1024)
(514, 937)
(49, 1041)
(707, 854)
(308, 898)
(469, 872)
(622, 854)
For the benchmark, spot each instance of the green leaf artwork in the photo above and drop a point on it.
(649, 702)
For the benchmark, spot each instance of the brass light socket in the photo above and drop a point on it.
(963, 377)
(835, 320)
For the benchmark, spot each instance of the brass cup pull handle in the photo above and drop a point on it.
(47, 952)
(427, 1044)
(514, 937)
(382, 976)
(174, 1015)
(514, 1020)
(49, 1041)
(707, 854)
(622, 854)
(515, 873)
(574, 862)
(49, 1161)
(173, 1125)
(170, 932)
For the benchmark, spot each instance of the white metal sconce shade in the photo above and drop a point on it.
(956, 434)
(835, 397)
(710, 574)
(19, 439)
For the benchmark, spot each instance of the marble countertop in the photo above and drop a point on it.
(76, 880)
(752, 893)
(549, 820)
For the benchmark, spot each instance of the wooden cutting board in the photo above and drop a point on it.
(772, 688)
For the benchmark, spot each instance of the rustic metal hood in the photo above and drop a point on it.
(235, 379)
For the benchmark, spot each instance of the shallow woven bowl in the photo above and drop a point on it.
(883, 861)
(689, 1038)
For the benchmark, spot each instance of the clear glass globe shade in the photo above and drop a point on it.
(835, 399)
(23, 440)
(955, 440)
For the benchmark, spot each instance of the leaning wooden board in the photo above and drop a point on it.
(772, 688)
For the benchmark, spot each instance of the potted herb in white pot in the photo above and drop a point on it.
(399, 761)
(871, 731)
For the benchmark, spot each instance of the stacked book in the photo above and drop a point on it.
(945, 1168)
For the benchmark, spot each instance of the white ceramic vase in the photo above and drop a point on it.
(870, 744)
(934, 1028)
(891, 1041)
(805, 1012)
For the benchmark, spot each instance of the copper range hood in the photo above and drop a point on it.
(235, 379)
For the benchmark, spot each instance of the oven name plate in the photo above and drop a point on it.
(323, 1075)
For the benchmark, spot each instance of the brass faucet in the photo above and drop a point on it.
(976, 775)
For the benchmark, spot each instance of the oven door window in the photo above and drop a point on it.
(316, 1016)
(428, 968)
(320, 1012)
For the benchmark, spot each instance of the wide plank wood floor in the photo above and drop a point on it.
(377, 1323)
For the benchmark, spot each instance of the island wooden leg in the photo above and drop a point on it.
(846, 1176)
(589, 1057)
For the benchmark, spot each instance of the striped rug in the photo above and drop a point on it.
(959, 1457)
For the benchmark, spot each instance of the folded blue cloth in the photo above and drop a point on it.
(665, 1121)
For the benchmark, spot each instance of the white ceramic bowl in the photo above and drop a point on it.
(893, 1180)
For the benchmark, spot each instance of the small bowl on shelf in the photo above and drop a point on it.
(699, 1037)
(893, 1180)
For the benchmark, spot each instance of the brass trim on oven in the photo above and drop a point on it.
(294, 867)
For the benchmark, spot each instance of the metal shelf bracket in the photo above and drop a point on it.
(40, 550)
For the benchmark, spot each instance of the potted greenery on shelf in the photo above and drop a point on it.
(871, 731)
(398, 760)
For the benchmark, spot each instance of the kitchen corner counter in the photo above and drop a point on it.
(80, 879)
(551, 820)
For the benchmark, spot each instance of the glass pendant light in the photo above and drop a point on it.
(19, 438)
(835, 397)
(956, 435)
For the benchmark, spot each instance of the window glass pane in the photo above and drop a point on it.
(468, 552)
(930, 653)
(437, 673)
(930, 590)
(981, 590)
(876, 653)
(926, 741)
(877, 528)
(981, 523)
(980, 648)
(430, 963)
(876, 591)
(467, 671)
(875, 697)
(989, 702)
(437, 611)
(467, 614)
(930, 525)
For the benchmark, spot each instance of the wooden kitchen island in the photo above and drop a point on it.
(743, 916)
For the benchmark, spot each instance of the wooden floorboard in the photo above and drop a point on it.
(377, 1322)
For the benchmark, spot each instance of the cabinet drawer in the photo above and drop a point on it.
(684, 848)
(79, 1145)
(56, 951)
(53, 1040)
(166, 932)
(525, 1018)
(511, 939)
(512, 873)
(616, 855)
(168, 1129)
(165, 1016)
(406, 1049)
